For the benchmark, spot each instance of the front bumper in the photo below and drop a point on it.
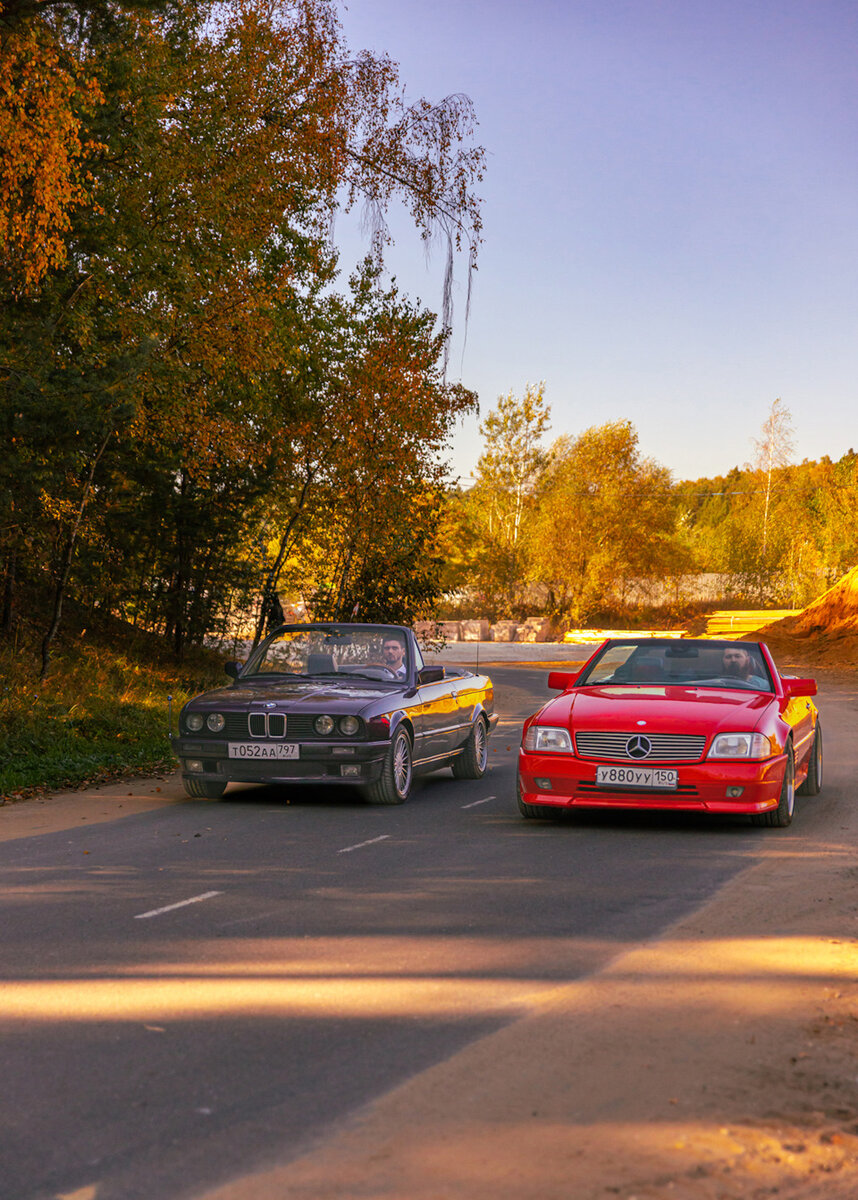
(317, 762)
(564, 781)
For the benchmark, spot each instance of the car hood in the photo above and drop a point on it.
(296, 695)
(663, 709)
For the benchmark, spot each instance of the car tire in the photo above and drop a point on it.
(535, 812)
(782, 815)
(394, 785)
(203, 789)
(472, 760)
(812, 784)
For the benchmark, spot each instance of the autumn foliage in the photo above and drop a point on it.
(44, 93)
(193, 400)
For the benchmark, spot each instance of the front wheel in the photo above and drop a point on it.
(812, 785)
(471, 761)
(203, 789)
(394, 784)
(782, 815)
(535, 812)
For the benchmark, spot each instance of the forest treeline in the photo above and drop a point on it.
(198, 410)
(586, 527)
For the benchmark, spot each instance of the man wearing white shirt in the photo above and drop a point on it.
(393, 655)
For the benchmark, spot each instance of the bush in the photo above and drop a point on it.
(101, 712)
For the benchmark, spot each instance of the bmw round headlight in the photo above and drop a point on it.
(215, 722)
(349, 725)
(323, 725)
(194, 721)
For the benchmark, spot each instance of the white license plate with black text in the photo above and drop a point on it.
(636, 777)
(276, 750)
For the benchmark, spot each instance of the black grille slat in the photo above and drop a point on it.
(682, 789)
(666, 747)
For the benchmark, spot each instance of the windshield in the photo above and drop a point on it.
(684, 662)
(374, 652)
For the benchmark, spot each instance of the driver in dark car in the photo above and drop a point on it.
(738, 664)
(393, 655)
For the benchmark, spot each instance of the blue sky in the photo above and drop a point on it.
(670, 213)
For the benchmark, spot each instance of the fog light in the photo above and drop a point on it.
(734, 792)
(544, 785)
(350, 772)
(193, 764)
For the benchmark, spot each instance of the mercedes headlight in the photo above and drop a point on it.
(547, 739)
(740, 745)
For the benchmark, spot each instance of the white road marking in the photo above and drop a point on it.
(474, 803)
(156, 912)
(360, 845)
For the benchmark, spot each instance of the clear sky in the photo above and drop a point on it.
(670, 212)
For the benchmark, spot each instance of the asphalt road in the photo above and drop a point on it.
(202, 989)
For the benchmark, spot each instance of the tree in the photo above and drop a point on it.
(607, 517)
(774, 449)
(507, 474)
(178, 320)
(369, 538)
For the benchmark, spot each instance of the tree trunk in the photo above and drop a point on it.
(65, 566)
(8, 618)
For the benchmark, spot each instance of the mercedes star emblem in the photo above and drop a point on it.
(638, 746)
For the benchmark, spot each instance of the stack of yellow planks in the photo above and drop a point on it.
(740, 623)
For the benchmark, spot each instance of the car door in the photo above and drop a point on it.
(439, 719)
(798, 713)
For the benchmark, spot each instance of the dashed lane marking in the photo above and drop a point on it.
(360, 845)
(474, 803)
(156, 912)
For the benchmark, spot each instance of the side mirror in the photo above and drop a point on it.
(430, 675)
(561, 680)
(799, 687)
(233, 669)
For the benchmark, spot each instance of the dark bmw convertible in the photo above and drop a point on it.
(336, 703)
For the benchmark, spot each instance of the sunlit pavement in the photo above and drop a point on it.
(685, 1069)
(715, 1062)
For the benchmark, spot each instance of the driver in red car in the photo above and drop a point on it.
(738, 664)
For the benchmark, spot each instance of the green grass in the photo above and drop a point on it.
(101, 713)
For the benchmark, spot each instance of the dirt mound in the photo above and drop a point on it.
(826, 632)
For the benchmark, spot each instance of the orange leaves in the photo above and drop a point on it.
(42, 176)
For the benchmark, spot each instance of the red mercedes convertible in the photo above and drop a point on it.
(703, 725)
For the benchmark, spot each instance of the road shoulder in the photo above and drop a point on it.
(88, 806)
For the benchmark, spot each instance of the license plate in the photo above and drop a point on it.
(277, 750)
(636, 777)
